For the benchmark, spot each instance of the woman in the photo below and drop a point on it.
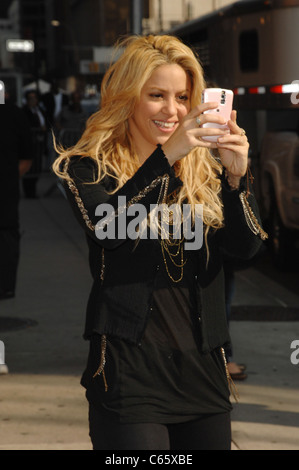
(155, 376)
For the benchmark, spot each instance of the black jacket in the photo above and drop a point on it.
(124, 273)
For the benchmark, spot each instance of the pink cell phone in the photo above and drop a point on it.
(224, 108)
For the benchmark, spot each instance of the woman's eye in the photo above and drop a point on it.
(160, 96)
(183, 98)
(156, 95)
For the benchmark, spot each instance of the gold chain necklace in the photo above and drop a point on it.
(169, 242)
(180, 250)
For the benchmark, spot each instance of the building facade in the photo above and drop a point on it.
(165, 14)
(72, 37)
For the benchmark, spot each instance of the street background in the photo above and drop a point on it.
(43, 406)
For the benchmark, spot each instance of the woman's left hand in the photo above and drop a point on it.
(233, 149)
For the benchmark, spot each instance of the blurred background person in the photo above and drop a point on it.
(71, 120)
(16, 154)
(37, 123)
(237, 371)
(52, 104)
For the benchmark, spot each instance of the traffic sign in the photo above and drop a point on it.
(19, 45)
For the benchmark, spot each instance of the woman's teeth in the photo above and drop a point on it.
(168, 125)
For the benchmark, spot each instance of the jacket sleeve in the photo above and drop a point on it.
(242, 235)
(91, 200)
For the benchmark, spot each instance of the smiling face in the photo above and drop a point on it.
(164, 101)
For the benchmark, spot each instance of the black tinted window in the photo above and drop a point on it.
(249, 51)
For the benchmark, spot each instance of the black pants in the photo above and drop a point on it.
(211, 432)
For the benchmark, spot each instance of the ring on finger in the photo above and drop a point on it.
(242, 132)
(198, 120)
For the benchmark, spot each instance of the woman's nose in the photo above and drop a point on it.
(169, 107)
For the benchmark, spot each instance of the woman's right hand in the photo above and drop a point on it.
(189, 133)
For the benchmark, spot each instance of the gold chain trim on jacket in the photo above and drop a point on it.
(101, 367)
(74, 190)
(120, 210)
(102, 275)
(250, 218)
(232, 388)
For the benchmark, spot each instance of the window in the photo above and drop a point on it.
(249, 51)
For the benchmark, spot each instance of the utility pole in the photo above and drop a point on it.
(160, 14)
(102, 23)
(137, 14)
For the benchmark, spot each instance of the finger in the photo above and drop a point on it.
(210, 131)
(232, 138)
(205, 144)
(234, 116)
(201, 108)
(210, 118)
(235, 129)
(239, 152)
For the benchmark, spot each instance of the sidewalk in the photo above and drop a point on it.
(267, 415)
(43, 406)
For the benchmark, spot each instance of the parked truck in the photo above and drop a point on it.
(252, 48)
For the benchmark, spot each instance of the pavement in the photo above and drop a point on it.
(43, 406)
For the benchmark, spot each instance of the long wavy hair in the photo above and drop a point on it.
(107, 138)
